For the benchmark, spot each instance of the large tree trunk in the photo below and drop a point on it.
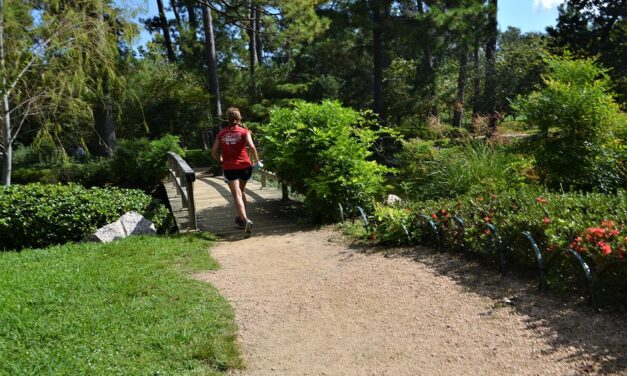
(104, 121)
(476, 82)
(177, 15)
(5, 118)
(7, 144)
(191, 13)
(461, 86)
(429, 67)
(378, 56)
(490, 67)
(166, 31)
(212, 68)
(258, 44)
(252, 50)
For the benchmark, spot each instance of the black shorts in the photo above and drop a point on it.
(242, 173)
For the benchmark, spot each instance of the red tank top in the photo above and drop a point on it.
(233, 146)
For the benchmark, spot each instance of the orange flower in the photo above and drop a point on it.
(608, 224)
(541, 200)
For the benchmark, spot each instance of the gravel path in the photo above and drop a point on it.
(310, 303)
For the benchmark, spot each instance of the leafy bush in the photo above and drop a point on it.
(142, 163)
(89, 174)
(322, 152)
(200, 158)
(429, 172)
(393, 222)
(39, 215)
(574, 113)
(165, 100)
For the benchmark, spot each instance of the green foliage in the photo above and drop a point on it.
(142, 163)
(594, 28)
(89, 174)
(199, 158)
(166, 100)
(574, 113)
(127, 307)
(556, 222)
(322, 152)
(429, 172)
(38, 215)
(519, 66)
(392, 221)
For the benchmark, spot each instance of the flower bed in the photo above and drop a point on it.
(591, 224)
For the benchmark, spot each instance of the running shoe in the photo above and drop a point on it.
(248, 231)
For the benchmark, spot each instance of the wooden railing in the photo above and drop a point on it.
(183, 178)
(267, 175)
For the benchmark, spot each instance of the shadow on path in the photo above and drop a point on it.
(600, 338)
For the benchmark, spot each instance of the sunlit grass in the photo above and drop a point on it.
(127, 308)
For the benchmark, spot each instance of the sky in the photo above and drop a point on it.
(527, 15)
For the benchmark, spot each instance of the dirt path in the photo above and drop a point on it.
(307, 303)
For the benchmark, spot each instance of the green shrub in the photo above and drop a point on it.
(393, 222)
(322, 151)
(430, 172)
(38, 215)
(89, 174)
(200, 158)
(575, 114)
(142, 163)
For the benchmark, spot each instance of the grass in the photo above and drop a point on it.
(127, 308)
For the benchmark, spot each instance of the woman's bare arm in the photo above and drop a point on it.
(251, 145)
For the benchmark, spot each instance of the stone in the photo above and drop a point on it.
(131, 223)
(135, 224)
(392, 199)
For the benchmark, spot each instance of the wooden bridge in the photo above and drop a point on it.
(200, 194)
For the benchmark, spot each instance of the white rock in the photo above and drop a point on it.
(392, 199)
(131, 223)
(135, 224)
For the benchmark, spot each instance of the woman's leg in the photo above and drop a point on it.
(242, 186)
(238, 199)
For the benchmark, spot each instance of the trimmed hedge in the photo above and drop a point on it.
(39, 215)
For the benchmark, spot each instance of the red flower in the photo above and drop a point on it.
(486, 219)
(541, 200)
(546, 220)
(614, 233)
(551, 248)
(434, 216)
(605, 248)
(596, 232)
(486, 232)
(444, 212)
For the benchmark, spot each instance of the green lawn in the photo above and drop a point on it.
(126, 308)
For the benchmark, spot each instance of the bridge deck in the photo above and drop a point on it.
(215, 211)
